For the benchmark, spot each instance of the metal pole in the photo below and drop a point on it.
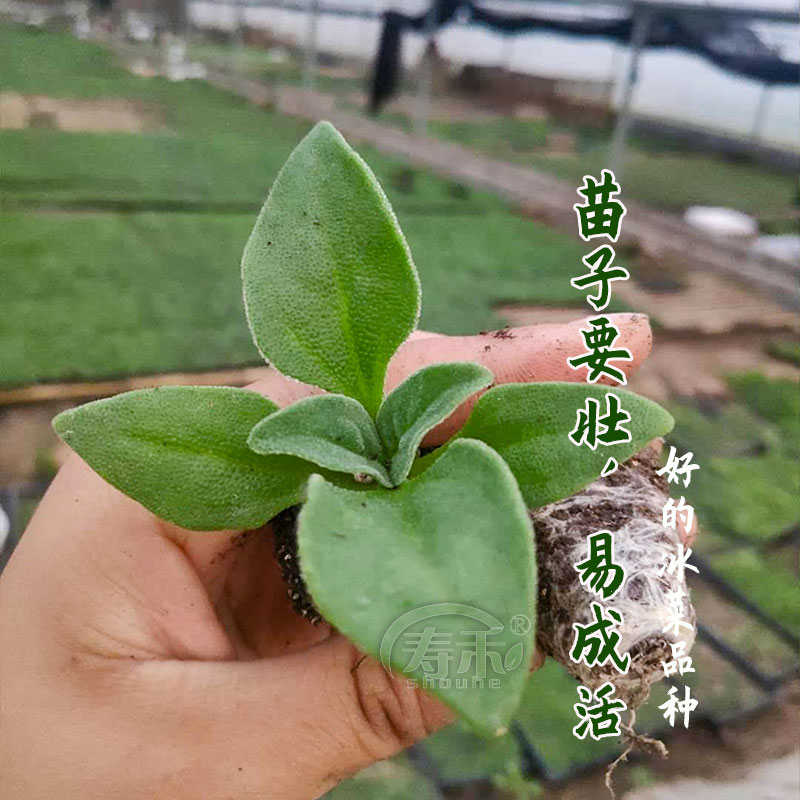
(310, 68)
(423, 105)
(619, 141)
(508, 51)
(761, 112)
(238, 36)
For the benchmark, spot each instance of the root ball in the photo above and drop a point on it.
(629, 503)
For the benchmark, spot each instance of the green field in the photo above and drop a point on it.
(121, 250)
(747, 488)
(784, 350)
(748, 485)
(101, 294)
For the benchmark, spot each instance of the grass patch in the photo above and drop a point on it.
(755, 498)
(722, 691)
(466, 269)
(34, 61)
(764, 649)
(96, 294)
(102, 294)
(729, 432)
(234, 161)
(387, 780)
(747, 489)
(775, 589)
(256, 61)
(214, 146)
(108, 294)
(777, 401)
(748, 483)
(502, 137)
(787, 350)
(673, 182)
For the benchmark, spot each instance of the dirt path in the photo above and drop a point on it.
(18, 111)
(709, 305)
(694, 349)
(540, 195)
(28, 440)
(83, 390)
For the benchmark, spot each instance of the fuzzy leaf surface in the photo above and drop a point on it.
(330, 288)
(181, 451)
(528, 425)
(419, 404)
(330, 430)
(458, 535)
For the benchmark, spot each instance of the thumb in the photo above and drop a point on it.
(518, 355)
(292, 727)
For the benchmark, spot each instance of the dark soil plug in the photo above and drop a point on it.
(284, 527)
(504, 333)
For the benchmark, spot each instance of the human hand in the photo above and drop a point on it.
(143, 660)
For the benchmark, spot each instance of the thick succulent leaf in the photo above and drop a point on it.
(330, 430)
(456, 537)
(329, 285)
(528, 424)
(181, 451)
(421, 402)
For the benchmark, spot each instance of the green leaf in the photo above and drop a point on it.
(330, 430)
(457, 537)
(329, 285)
(420, 403)
(181, 451)
(528, 425)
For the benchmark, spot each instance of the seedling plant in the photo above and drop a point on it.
(330, 293)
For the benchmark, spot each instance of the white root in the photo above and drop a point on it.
(628, 503)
